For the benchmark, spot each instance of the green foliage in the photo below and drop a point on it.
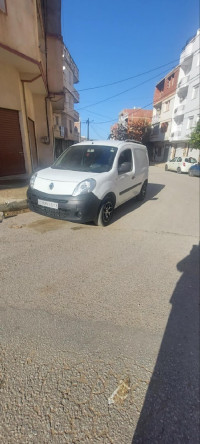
(195, 137)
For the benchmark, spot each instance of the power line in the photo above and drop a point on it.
(132, 112)
(122, 92)
(128, 78)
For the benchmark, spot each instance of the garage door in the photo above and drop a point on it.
(11, 150)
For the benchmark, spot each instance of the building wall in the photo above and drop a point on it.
(18, 23)
(54, 60)
(45, 151)
(186, 110)
(166, 87)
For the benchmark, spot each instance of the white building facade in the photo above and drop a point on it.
(186, 110)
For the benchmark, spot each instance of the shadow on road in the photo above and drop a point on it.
(170, 413)
(152, 191)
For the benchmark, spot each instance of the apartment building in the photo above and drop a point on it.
(186, 109)
(163, 105)
(33, 89)
(127, 117)
(64, 96)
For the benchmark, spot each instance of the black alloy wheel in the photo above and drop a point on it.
(105, 213)
(143, 191)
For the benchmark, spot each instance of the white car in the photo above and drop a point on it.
(89, 180)
(180, 164)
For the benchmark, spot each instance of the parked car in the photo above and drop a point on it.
(180, 164)
(89, 180)
(194, 170)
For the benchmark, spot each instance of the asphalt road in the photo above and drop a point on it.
(99, 326)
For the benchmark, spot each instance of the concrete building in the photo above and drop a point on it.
(32, 85)
(64, 95)
(163, 104)
(186, 109)
(127, 118)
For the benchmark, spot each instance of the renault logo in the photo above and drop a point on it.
(51, 186)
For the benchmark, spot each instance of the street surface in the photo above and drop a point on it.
(99, 326)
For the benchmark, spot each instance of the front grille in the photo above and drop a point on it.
(50, 212)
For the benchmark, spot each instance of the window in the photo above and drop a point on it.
(125, 157)
(3, 6)
(190, 122)
(170, 81)
(70, 126)
(167, 104)
(140, 159)
(195, 91)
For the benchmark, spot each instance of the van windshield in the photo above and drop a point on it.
(88, 158)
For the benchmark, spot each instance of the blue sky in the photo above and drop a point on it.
(111, 40)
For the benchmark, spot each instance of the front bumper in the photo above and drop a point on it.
(83, 208)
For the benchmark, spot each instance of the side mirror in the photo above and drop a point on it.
(124, 168)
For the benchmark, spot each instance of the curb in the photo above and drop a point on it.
(13, 205)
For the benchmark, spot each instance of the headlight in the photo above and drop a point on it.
(32, 181)
(84, 187)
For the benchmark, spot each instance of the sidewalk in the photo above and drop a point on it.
(13, 195)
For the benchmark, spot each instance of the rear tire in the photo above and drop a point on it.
(179, 170)
(143, 191)
(105, 213)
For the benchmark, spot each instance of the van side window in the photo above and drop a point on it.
(140, 159)
(125, 157)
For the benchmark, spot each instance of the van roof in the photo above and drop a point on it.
(111, 142)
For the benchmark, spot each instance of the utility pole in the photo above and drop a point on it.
(88, 124)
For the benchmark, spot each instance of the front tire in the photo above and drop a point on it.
(143, 191)
(105, 213)
(179, 170)
(166, 168)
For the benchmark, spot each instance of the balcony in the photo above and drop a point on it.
(76, 116)
(156, 119)
(176, 135)
(179, 110)
(75, 95)
(183, 82)
(68, 59)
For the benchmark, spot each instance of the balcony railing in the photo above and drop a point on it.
(69, 60)
(156, 119)
(76, 116)
(179, 110)
(176, 134)
(183, 82)
(75, 95)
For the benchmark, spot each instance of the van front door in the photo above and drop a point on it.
(125, 179)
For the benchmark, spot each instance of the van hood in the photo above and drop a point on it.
(63, 182)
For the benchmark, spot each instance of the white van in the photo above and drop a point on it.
(89, 180)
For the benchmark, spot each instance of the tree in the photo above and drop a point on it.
(119, 132)
(195, 137)
(140, 130)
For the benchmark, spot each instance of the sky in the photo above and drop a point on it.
(114, 40)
